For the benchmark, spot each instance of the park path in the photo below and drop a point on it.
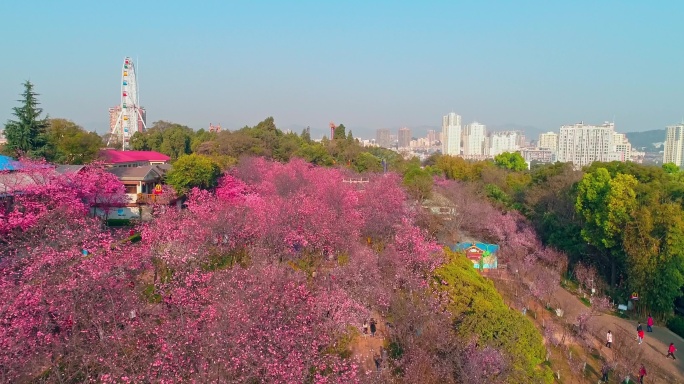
(365, 347)
(655, 343)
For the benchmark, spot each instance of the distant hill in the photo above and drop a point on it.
(647, 140)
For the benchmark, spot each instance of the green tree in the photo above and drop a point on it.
(138, 142)
(367, 162)
(191, 171)
(654, 243)
(27, 134)
(670, 168)
(201, 136)
(68, 143)
(306, 135)
(315, 153)
(339, 133)
(512, 161)
(606, 204)
(418, 182)
(457, 168)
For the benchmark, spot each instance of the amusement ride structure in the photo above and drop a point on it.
(131, 117)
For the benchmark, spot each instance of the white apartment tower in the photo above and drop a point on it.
(506, 141)
(674, 145)
(474, 140)
(451, 134)
(622, 147)
(548, 140)
(583, 144)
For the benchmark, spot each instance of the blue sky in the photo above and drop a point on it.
(367, 64)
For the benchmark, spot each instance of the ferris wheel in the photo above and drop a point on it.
(131, 117)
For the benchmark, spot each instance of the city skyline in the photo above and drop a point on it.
(308, 63)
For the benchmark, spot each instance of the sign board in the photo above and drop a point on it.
(635, 296)
(158, 189)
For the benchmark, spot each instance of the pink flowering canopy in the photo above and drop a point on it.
(261, 280)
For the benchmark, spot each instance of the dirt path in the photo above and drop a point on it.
(655, 343)
(365, 347)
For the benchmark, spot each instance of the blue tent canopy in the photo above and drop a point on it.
(8, 164)
(491, 248)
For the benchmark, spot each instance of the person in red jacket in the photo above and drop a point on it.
(642, 373)
(649, 323)
(670, 351)
(640, 336)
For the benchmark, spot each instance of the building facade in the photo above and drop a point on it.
(674, 145)
(505, 141)
(404, 137)
(432, 136)
(539, 155)
(382, 138)
(583, 144)
(451, 134)
(622, 147)
(474, 140)
(548, 140)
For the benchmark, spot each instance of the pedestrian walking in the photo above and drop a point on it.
(609, 339)
(649, 323)
(670, 351)
(640, 335)
(642, 373)
(365, 326)
(378, 362)
(372, 327)
(604, 372)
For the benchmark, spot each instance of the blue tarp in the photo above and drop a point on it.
(8, 164)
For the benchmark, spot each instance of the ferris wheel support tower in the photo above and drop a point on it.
(131, 115)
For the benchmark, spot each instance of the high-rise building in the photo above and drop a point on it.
(520, 139)
(622, 147)
(674, 145)
(583, 144)
(115, 112)
(432, 136)
(548, 140)
(382, 138)
(505, 141)
(404, 137)
(451, 134)
(474, 140)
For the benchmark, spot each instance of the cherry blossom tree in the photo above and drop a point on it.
(263, 280)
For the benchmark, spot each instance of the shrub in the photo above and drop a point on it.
(480, 313)
(676, 325)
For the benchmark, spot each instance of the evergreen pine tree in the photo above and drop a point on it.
(27, 135)
(339, 133)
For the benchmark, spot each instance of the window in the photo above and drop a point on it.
(131, 188)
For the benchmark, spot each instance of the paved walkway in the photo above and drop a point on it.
(655, 343)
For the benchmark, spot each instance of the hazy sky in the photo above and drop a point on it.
(367, 64)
